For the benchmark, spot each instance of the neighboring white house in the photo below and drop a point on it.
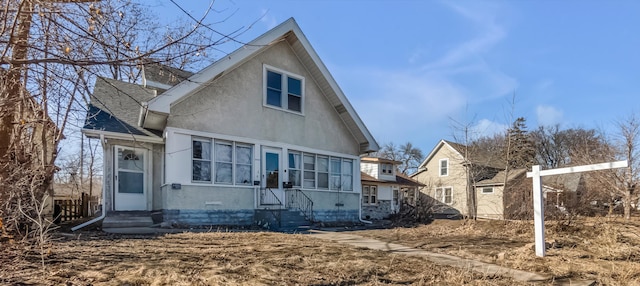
(384, 191)
(262, 131)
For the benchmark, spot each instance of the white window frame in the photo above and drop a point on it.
(284, 92)
(386, 168)
(482, 190)
(213, 160)
(210, 159)
(369, 191)
(292, 169)
(440, 169)
(443, 194)
(341, 175)
(216, 161)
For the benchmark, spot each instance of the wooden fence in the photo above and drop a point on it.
(65, 210)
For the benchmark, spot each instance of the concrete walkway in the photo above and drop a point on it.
(444, 259)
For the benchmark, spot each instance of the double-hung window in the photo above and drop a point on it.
(369, 195)
(283, 90)
(387, 168)
(294, 169)
(323, 172)
(201, 160)
(244, 160)
(444, 167)
(309, 164)
(224, 162)
(444, 194)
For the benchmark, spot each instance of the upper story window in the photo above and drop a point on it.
(386, 168)
(283, 90)
(444, 167)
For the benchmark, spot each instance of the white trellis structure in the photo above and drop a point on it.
(538, 203)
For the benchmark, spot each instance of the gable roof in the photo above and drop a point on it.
(498, 179)
(564, 182)
(113, 96)
(401, 179)
(480, 158)
(157, 109)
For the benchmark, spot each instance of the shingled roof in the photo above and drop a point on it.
(401, 180)
(478, 156)
(115, 107)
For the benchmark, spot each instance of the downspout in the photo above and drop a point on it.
(104, 190)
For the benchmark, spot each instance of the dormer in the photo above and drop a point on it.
(379, 168)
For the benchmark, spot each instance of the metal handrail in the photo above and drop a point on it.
(296, 198)
(268, 197)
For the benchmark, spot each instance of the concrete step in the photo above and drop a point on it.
(121, 221)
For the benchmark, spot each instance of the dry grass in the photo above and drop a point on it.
(221, 258)
(601, 249)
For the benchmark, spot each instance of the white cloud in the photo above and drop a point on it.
(548, 115)
(486, 127)
(268, 19)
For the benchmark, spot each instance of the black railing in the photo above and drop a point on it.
(269, 198)
(297, 199)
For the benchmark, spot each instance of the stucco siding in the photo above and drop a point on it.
(208, 198)
(233, 104)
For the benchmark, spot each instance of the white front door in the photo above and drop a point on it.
(130, 186)
(271, 191)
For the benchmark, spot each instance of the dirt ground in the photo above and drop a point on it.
(220, 258)
(603, 249)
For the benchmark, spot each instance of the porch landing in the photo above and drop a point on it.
(126, 220)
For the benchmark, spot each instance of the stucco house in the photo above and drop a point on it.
(384, 190)
(261, 134)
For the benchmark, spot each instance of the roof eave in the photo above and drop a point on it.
(92, 133)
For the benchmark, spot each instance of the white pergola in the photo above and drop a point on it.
(538, 203)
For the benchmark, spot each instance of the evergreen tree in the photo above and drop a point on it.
(520, 149)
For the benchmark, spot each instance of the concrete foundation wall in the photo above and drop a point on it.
(381, 210)
(208, 217)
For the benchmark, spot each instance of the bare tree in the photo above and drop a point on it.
(50, 54)
(408, 155)
(629, 149)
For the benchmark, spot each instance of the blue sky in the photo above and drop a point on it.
(412, 69)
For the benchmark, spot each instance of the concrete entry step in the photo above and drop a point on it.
(127, 219)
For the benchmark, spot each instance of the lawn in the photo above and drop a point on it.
(603, 249)
(221, 258)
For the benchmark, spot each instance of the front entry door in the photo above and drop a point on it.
(272, 192)
(130, 186)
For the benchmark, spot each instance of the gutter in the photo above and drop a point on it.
(104, 190)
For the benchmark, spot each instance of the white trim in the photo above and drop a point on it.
(448, 168)
(239, 139)
(434, 151)
(487, 193)
(443, 198)
(284, 92)
(121, 136)
(161, 103)
(158, 84)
